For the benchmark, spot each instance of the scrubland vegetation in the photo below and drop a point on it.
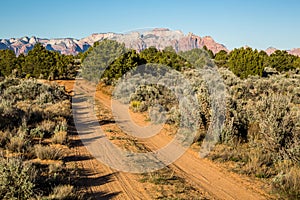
(260, 137)
(262, 130)
(261, 133)
(33, 136)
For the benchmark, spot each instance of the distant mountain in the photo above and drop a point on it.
(159, 38)
(295, 51)
(270, 50)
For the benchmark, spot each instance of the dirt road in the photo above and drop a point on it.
(200, 173)
(99, 180)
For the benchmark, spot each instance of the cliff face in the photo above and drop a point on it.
(159, 38)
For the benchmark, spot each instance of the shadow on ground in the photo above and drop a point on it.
(85, 178)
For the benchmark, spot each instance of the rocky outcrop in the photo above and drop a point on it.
(159, 38)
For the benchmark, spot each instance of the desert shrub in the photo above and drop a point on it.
(59, 137)
(166, 97)
(29, 109)
(59, 109)
(228, 77)
(47, 126)
(258, 163)
(4, 138)
(17, 144)
(16, 90)
(48, 152)
(136, 106)
(265, 113)
(277, 124)
(31, 100)
(7, 82)
(55, 168)
(157, 114)
(16, 179)
(288, 182)
(236, 123)
(173, 116)
(146, 96)
(245, 97)
(18, 139)
(61, 125)
(63, 192)
(45, 97)
(37, 132)
(10, 116)
(31, 90)
(293, 150)
(43, 129)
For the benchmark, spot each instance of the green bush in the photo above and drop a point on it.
(16, 179)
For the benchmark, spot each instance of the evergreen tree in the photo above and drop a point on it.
(41, 63)
(210, 53)
(246, 61)
(8, 62)
(221, 58)
(100, 56)
(121, 65)
(282, 61)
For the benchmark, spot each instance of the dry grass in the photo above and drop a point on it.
(47, 126)
(288, 182)
(63, 192)
(59, 137)
(55, 167)
(60, 109)
(169, 186)
(17, 144)
(258, 163)
(48, 152)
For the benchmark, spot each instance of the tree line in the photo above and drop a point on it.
(110, 60)
(244, 62)
(38, 63)
(45, 64)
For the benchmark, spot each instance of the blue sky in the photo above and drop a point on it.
(234, 23)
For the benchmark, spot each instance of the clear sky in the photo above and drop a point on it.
(234, 23)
